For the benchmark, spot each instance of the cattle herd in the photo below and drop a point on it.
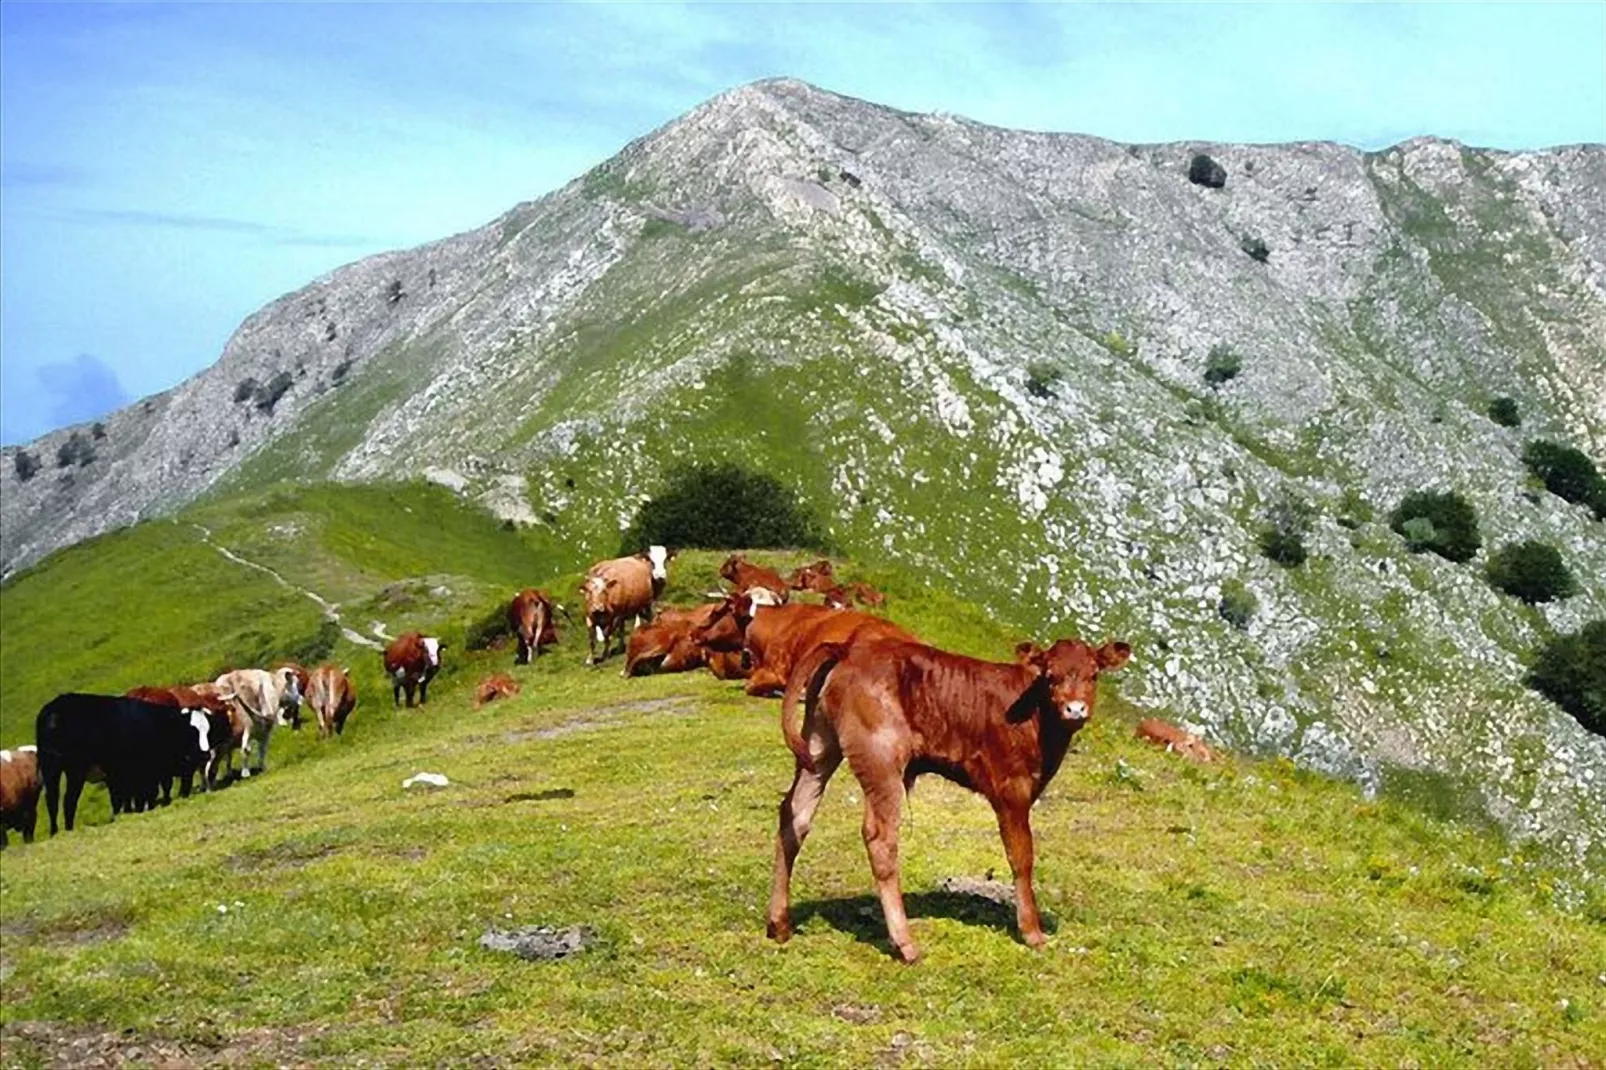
(870, 691)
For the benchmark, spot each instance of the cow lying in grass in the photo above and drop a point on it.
(1173, 738)
(899, 709)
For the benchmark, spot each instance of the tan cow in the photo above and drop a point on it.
(332, 698)
(619, 590)
(19, 791)
(262, 696)
(1173, 738)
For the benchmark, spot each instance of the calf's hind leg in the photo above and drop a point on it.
(883, 807)
(797, 815)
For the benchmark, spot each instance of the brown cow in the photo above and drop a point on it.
(897, 710)
(780, 637)
(332, 698)
(668, 640)
(494, 687)
(838, 598)
(19, 791)
(867, 595)
(818, 577)
(619, 589)
(744, 576)
(529, 617)
(1173, 738)
(411, 662)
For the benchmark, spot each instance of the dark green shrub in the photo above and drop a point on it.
(1283, 537)
(1353, 510)
(1503, 411)
(1222, 364)
(25, 464)
(1567, 473)
(1571, 672)
(1238, 605)
(724, 507)
(1451, 528)
(76, 450)
(1040, 379)
(1531, 571)
(98, 431)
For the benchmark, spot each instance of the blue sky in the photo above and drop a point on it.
(167, 169)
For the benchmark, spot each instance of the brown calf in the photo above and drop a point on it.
(1173, 738)
(529, 617)
(19, 791)
(780, 637)
(743, 575)
(818, 577)
(332, 698)
(498, 685)
(897, 710)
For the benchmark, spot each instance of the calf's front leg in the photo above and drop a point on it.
(1014, 825)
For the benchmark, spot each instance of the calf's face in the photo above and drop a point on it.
(658, 557)
(1070, 669)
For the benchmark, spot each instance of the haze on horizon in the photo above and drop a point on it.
(167, 169)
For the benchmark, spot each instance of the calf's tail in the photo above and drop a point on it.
(805, 683)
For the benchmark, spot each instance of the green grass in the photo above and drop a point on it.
(1242, 913)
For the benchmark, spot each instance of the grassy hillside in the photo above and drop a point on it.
(1237, 913)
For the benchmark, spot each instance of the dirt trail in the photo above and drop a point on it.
(331, 610)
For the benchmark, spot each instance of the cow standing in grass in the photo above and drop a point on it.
(529, 617)
(263, 697)
(19, 791)
(332, 698)
(411, 662)
(619, 590)
(896, 710)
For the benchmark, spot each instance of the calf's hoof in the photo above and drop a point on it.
(1034, 939)
(244, 773)
(779, 930)
(908, 954)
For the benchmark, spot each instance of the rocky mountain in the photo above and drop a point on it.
(983, 353)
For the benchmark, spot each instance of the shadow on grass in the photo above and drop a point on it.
(860, 916)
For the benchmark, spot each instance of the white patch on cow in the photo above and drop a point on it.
(763, 596)
(659, 558)
(400, 674)
(203, 729)
(28, 748)
(5, 756)
(432, 650)
(600, 636)
(1076, 710)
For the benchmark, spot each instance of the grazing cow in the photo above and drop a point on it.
(19, 791)
(1174, 738)
(411, 662)
(744, 576)
(781, 637)
(332, 698)
(618, 590)
(494, 687)
(263, 697)
(133, 743)
(818, 577)
(529, 617)
(897, 710)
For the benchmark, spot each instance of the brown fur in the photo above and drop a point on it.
(668, 640)
(779, 637)
(529, 617)
(818, 577)
(19, 793)
(897, 710)
(332, 698)
(615, 591)
(1174, 738)
(407, 665)
(867, 595)
(494, 687)
(743, 575)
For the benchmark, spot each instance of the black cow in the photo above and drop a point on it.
(135, 745)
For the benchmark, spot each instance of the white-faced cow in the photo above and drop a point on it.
(411, 662)
(619, 590)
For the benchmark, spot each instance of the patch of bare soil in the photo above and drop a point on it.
(54, 1045)
(992, 890)
(539, 943)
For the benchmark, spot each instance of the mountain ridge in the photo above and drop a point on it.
(981, 352)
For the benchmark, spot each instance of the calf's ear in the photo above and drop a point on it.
(1028, 652)
(1114, 655)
